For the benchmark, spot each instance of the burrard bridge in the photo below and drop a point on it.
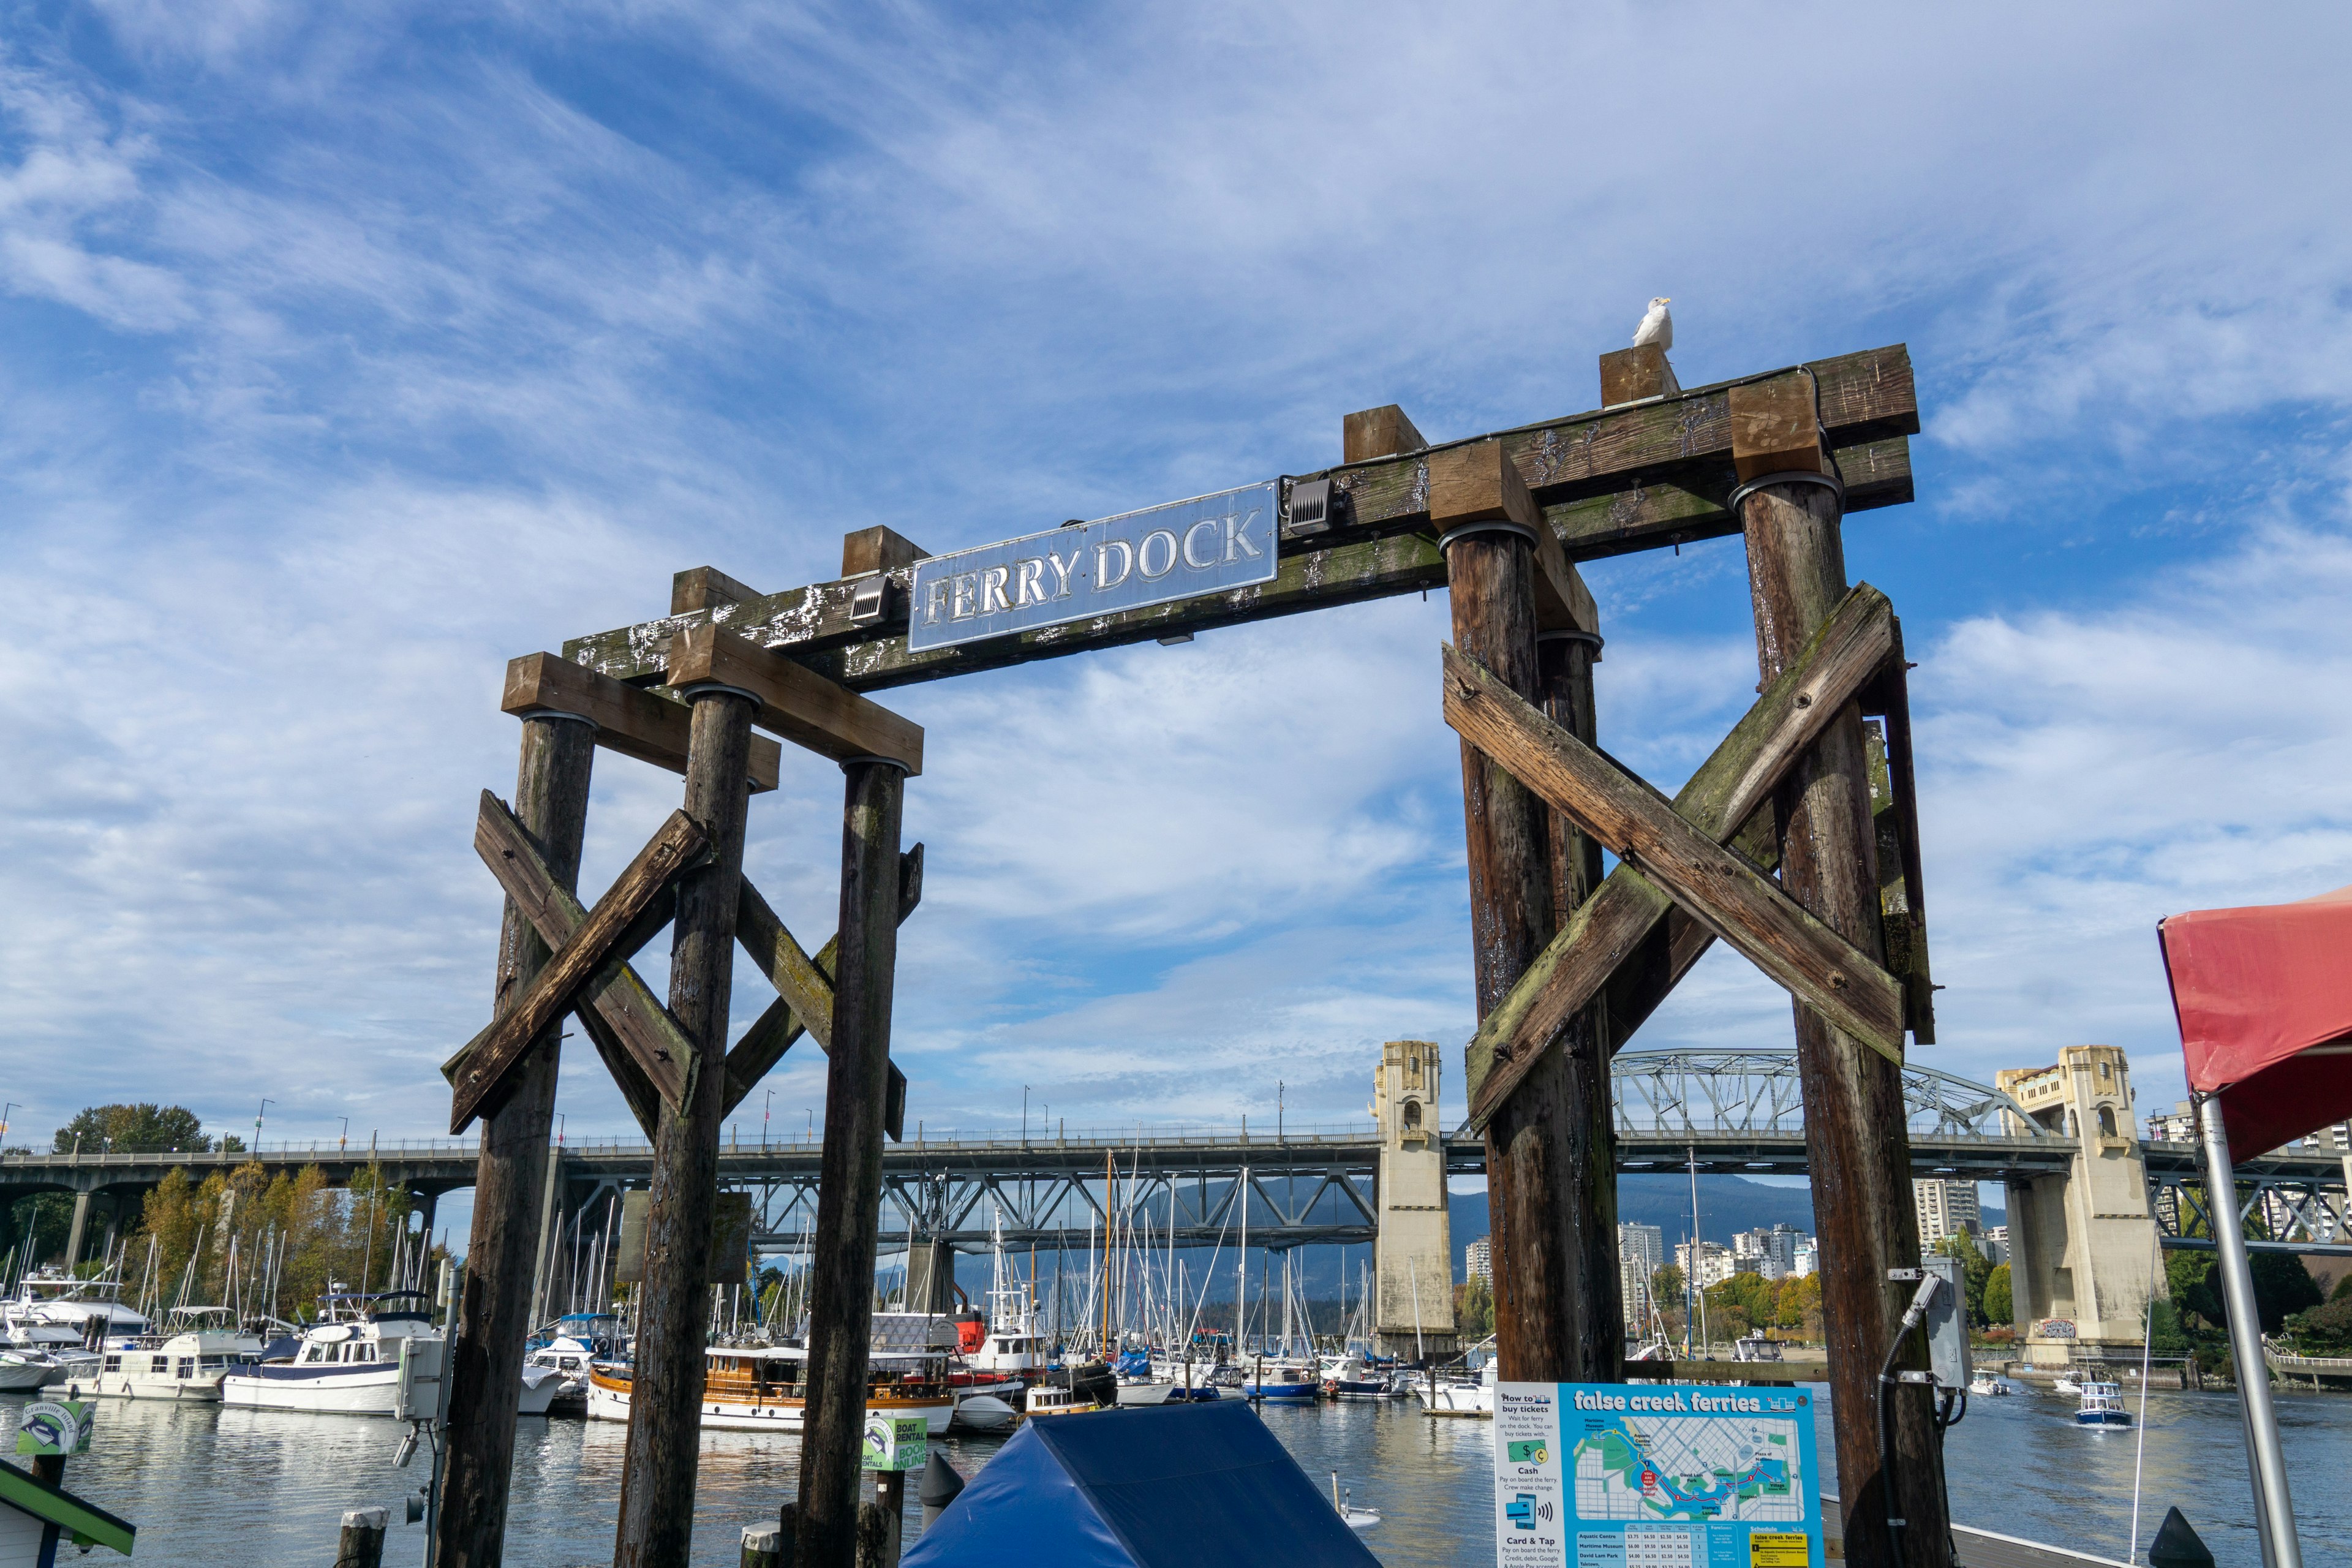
(1721, 1111)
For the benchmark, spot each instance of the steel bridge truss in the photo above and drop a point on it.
(1757, 1091)
(2279, 1211)
(1297, 1197)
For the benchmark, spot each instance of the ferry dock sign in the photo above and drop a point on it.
(1655, 1475)
(1077, 572)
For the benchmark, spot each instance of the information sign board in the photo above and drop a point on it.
(896, 1443)
(1150, 557)
(57, 1427)
(1655, 1475)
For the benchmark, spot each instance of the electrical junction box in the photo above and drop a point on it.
(1946, 1324)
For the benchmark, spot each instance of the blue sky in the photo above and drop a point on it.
(346, 352)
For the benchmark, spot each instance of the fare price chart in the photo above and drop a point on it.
(1655, 1475)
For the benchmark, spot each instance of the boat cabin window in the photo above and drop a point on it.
(160, 1364)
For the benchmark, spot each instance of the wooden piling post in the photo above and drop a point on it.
(486, 1350)
(361, 1544)
(1587, 1142)
(1857, 1141)
(664, 1443)
(890, 1497)
(849, 1194)
(1538, 1142)
(762, 1546)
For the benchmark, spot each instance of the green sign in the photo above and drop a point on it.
(1530, 1453)
(57, 1427)
(896, 1443)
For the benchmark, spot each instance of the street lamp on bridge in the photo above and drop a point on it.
(256, 1123)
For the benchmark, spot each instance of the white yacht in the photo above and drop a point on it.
(37, 1353)
(201, 1346)
(374, 1355)
(579, 1340)
(1459, 1397)
(87, 1307)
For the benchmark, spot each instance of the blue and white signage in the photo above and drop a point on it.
(1655, 1475)
(1071, 574)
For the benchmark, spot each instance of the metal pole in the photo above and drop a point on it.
(2265, 1461)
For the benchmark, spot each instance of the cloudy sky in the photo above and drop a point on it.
(346, 352)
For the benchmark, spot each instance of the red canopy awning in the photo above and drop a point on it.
(2265, 999)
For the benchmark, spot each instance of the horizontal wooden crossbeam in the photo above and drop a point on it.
(796, 703)
(772, 1034)
(1628, 943)
(1716, 888)
(629, 720)
(580, 958)
(1607, 482)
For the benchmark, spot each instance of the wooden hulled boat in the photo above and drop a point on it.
(757, 1388)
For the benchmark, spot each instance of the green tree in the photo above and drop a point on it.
(2165, 1335)
(2282, 1286)
(1473, 1309)
(1976, 1268)
(2000, 1304)
(2343, 1291)
(141, 1126)
(1667, 1286)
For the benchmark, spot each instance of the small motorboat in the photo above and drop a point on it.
(1284, 1380)
(1985, 1386)
(1353, 1517)
(2103, 1405)
(2066, 1383)
(1049, 1399)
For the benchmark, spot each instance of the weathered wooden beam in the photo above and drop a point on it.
(1609, 482)
(485, 1354)
(1721, 891)
(634, 1022)
(1479, 483)
(1857, 1135)
(800, 984)
(878, 549)
(1630, 375)
(637, 1090)
(1380, 432)
(629, 720)
(849, 1186)
(495, 1052)
(795, 701)
(663, 1451)
(706, 588)
(1895, 811)
(1627, 942)
(774, 1031)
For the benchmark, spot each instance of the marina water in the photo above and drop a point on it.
(261, 1488)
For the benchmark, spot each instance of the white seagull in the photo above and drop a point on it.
(1657, 327)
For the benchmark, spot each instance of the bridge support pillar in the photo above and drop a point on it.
(1413, 1259)
(931, 1277)
(81, 1223)
(1857, 1137)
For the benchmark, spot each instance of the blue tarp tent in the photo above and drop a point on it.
(1178, 1486)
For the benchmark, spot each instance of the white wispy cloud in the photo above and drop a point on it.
(353, 353)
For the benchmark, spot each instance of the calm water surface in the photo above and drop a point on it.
(267, 1490)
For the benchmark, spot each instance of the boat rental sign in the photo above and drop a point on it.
(1073, 573)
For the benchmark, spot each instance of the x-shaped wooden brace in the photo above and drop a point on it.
(1678, 887)
(590, 961)
(804, 993)
(639, 1040)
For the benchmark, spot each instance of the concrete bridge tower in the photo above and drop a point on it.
(1413, 1283)
(2083, 1246)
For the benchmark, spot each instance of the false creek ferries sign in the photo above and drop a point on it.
(1070, 574)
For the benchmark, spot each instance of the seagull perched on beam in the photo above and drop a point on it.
(1657, 327)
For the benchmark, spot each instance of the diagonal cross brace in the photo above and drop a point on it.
(641, 1044)
(774, 1031)
(1630, 941)
(582, 957)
